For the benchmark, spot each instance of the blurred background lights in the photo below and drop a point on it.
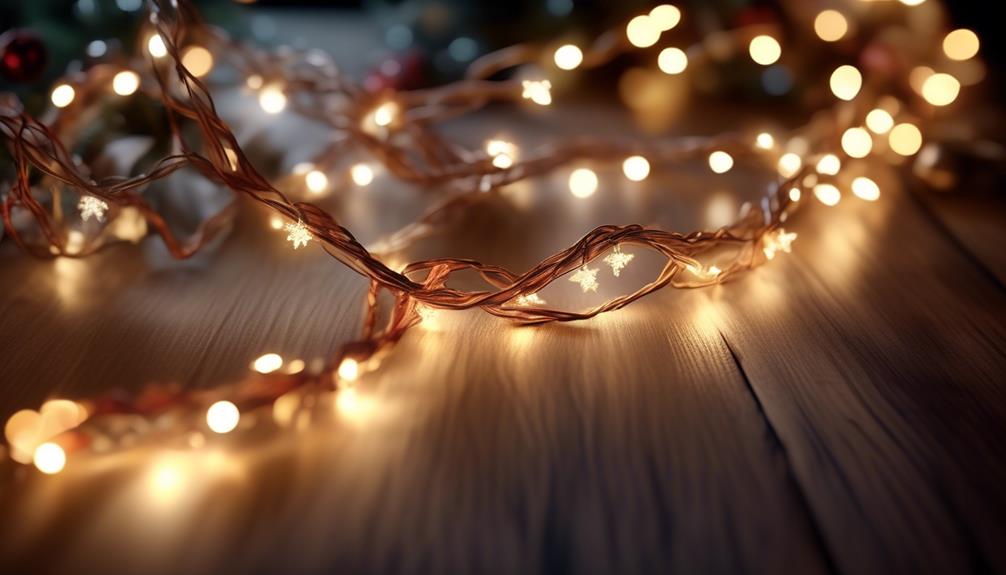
(156, 47)
(857, 142)
(879, 121)
(272, 99)
(49, 458)
(940, 89)
(720, 162)
(316, 181)
(222, 417)
(665, 17)
(831, 25)
(789, 165)
(827, 194)
(829, 165)
(583, 182)
(642, 32)
(125, 83)
(672, 61)
(961, 44)
(362, 174)
(349, 369)
(866, 189)
(197, 60)
(765, 141)
(62, 95)
(846, 82)
(268, 363)
(905, 139)
(765, 50)
(568, 57)
(385, 114)
(636, 168)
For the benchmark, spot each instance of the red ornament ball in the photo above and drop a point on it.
(23, 56)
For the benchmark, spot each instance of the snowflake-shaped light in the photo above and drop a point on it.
(618, 259)
(586, 277)
(91, 206)
(781, 240)
(538, 91)
(298, 234)
(529, 299)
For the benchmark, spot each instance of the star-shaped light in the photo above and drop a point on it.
(618, 259)
(538, 91)
(781, 240)
(91, 206)
(586, 277)
(529, 299)
(298, 234)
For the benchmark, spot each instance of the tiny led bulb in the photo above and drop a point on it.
(349, 369)
(642, 32)
(198, 61)
(845, 82)
(636, 168)
(765, 50)
(827, 194)
(961, 44)
(831, 25)
(362, 174)
(316, 181)
(272, 99)
(905, 139)
(125, 83)
(789, 165)
(156, 47)
(49, 458)
(829, 165)
(62, 95)
(665, 17)
(765, 141)
(672, 61)
(857, 142)
(385, 114)
(222, 417)
(268, 363)
(941, 89)
(568, 57)
(866, 189)
(720, 162)
(583, 182)
(879, 121)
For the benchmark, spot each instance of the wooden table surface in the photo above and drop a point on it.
(842, 409)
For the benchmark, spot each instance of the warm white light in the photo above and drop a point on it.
(272, 99)
(62, 95)
(92, 207)
(636, 168)
(538, 91)
(125, 83)
(829, 165)
(568, 57)
(254, 81)
(349, 369)
(222, 417)
(857, 142)
(586, 277)
(961, 44)
(918, 76)
(765, 50)
(912, 2)
(672, 61)
(642, 32)
(297, 234)
(385, 114)
(866, 189)
(789, 165)
(198, 61)
(49, 458)
(765, 141)
(827, 194)
(720, 162)
(276, 222)
(502, 153)
(905, 139)
(268, 363)
(941, 89)
(362, 174)
(879, 121)
(846, 82)
(156, 47)
(831, 25)
(665, 17)
(316, 181)
(795, 194)
(583, 182)
(165, 479)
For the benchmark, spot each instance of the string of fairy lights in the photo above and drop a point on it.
(865, 117)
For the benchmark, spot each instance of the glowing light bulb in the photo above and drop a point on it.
(156, 47)
(538, 91)
(586, 277)
(125, 83)
(297, 234)
(502, 153)
(905, 139)
(829, 165)
(720, 162)
(879, 121)
(789, 165)
(268, 363)
(91, 206)
(568, 57)
(362, 174)
(49, 458)
(846, 82)
(385, 114)
(912, 2)
(272, 99)
(349, 369)
(765, 50)
(198, 61)
(316, 181)
(665, 17)
(795, 194)
(583, 182)
(831, 25)
(642, 32)
(672, 61)
(941, 89)
(866, 189)
(961, 44)
(827, 194)
(222, 417)
(765, 141)
(276, 222)
(62, 95)
(636, 168)
(857, 142)
(254, 81)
